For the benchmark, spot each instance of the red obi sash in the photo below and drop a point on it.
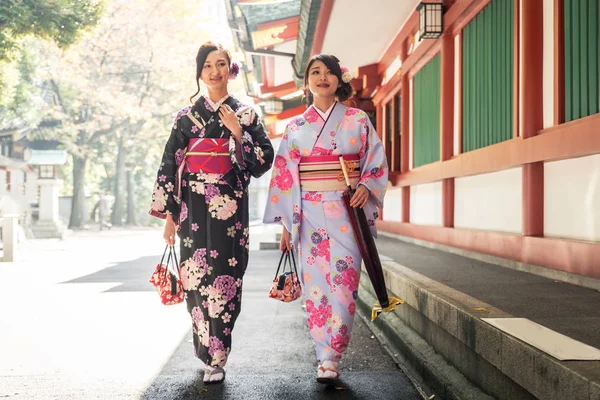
(209, 156)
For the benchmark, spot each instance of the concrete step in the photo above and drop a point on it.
(269, 245)
(450, 323)
(49, 230)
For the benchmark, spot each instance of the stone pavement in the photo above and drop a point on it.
(79, 320)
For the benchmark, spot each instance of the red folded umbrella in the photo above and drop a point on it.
(368, 251)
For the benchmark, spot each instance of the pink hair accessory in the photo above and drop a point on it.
(234, 70)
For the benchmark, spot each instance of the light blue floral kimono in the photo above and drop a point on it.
(321, 231)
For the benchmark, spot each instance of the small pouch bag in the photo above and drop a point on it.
(167, 282)
(286, 286)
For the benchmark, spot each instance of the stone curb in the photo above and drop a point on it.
(450, 322)
(428, 370)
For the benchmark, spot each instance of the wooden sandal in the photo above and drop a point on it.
(327, 373)
(208, 372)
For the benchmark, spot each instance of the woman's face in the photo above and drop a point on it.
(321, 81)
(215, 72)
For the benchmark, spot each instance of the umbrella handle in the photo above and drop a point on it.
(343, 165)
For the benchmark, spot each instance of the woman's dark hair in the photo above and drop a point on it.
(204, 51)
(344, 92)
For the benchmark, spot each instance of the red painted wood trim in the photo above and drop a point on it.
(448, 203)
(447, 97)
(269, 70)
(410, 27)
(279, 22)
(460, 13)
(533, 199)
(532, 118)
(404, 120)
(272, 131)
(569, 140)
(516, 72)
(414, 62)
(581, 258)
(447, 124)
(289, 33)
(406, 204)
(559, 62)
(456, 17)
(532, 84)
(395, 138)
(379, 122)
(280, 90)
(460, 94)
(321, 28)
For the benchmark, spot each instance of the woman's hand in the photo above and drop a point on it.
(285, 243)
(169, 233)
(360, 198)
(230, 120)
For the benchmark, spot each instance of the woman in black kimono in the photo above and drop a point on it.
(202, 191)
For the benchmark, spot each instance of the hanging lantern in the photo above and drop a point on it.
(430, 20)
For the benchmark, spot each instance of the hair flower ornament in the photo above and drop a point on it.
(234, 70)
(346, 75)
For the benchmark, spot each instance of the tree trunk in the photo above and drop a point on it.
(119, 206)
(78, 204)
(131, 217)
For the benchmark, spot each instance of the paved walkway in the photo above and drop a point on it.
(79, 320)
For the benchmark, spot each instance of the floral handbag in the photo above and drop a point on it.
(286, 287)
(167, 282)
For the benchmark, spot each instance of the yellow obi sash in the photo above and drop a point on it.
(324, 173)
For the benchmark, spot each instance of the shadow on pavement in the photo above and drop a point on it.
(133, 275)
(274, 358)
(181, 378)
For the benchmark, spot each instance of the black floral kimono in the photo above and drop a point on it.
(211, 214)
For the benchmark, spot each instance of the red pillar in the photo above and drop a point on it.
(531, 118)
(404, 145)
(447, 125)
(379, 129)
(395, 161)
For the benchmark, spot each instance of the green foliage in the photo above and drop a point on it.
(61, 21)
(122, 82)
(21, 88)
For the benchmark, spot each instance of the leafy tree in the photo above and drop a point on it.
(115, 93)
(61, 21)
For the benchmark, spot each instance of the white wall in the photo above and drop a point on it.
(392, 204)
(2, 181)
(31, 189)
(426, 204)
(17, 181)
(283, 66)
(572, 198)
(489, 201)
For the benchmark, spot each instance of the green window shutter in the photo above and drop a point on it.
(488, 76)
(582, 73)
(426, 123)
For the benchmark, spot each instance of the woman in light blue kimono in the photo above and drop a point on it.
(305, 196)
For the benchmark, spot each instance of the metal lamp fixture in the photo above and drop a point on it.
(430, 20)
